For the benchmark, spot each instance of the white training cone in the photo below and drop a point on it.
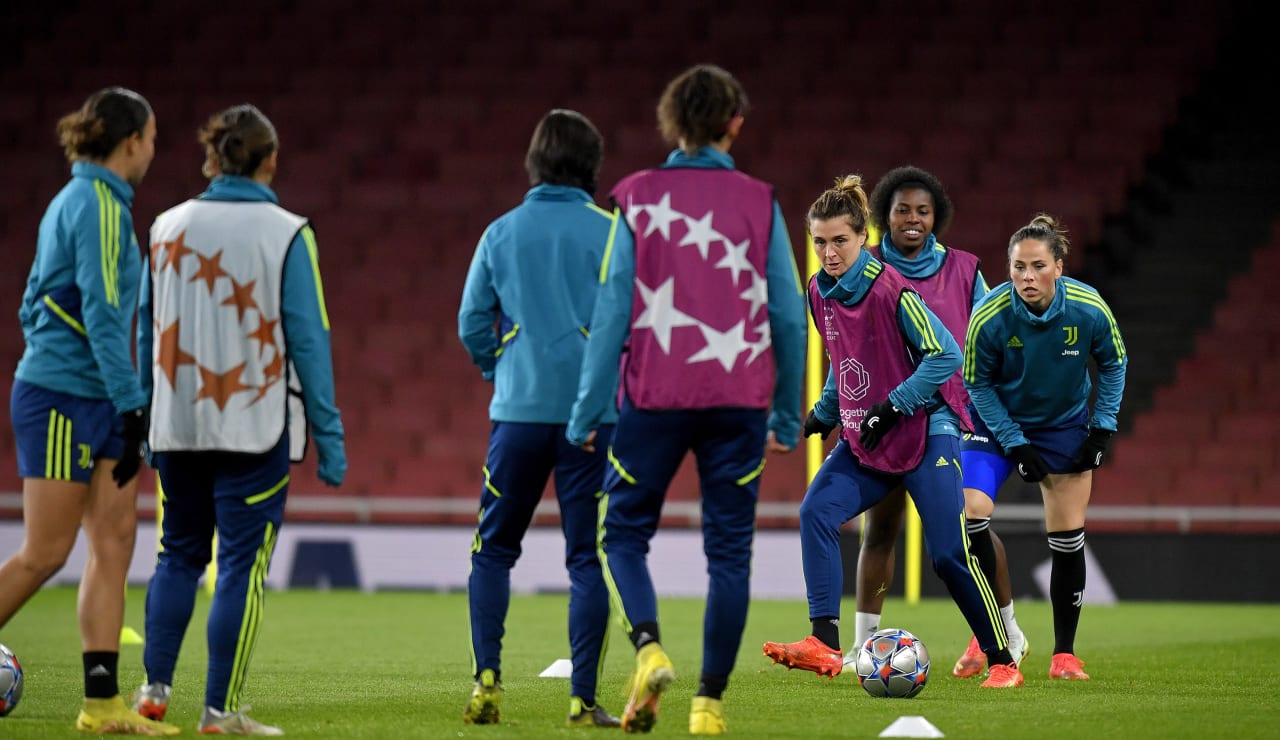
(911, 726)
(563, 668)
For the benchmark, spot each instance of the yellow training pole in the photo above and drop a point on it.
(813, 371)
(912, 556)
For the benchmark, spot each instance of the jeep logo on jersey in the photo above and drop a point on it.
(1073, 334)
(854, 379)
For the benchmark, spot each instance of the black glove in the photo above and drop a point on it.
(1093, 449)
(813, 425)
(135, 433)
(1030, 465)
(879, 420)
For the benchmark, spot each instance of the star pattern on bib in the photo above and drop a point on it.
(218, 387)
(660, 313)
(221, 386)
(171, 356)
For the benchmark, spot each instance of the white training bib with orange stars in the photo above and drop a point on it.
(218, 359)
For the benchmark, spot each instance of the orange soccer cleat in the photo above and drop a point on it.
(1003, 677)
(972, 663)
(810, 654)
(1068, 667)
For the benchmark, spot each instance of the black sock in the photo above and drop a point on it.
(1066, 586)
(644, 633)
(100, 675)
(982, 548)
(827, 629)
(712, 686)
(999, 657)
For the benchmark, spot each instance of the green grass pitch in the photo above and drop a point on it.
(344, 664)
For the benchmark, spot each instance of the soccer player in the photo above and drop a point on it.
(524, 319)
(911, 209)
(1026, 366)
(236, 336)
(78, 408)
(702, 284)
(891, 363)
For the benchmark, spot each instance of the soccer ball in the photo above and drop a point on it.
(10, 680)
(892, 664)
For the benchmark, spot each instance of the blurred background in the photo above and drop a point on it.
(404, 126)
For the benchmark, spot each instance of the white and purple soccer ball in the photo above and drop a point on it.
(892, 664)
(10, 681)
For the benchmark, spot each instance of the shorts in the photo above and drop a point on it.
(986, 466)
(60, 436)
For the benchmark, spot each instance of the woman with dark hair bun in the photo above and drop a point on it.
(1027, 354)
(78, 409)
(238, 375)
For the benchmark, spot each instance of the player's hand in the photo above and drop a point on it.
(1030, 465)
(332, 470)
(879, 420)
(1093, 450)
(772, 445)
(589, 444)
(813, 425)
(135, 434)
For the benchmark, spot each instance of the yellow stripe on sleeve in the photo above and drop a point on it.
(915, 311)
(53, 306)
(1095, 300)
(608, 245)
(976, 322)
(309, 236)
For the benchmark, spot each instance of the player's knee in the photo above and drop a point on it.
(42, 562)
(879, 540)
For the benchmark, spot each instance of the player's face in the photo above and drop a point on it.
(1034, 272)
(836, 244)
(910, 219)
(142, 149)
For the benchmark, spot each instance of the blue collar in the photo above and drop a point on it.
(234, 187)
(91, 171)
(1056, 305)
(926, 262)
(557, 192)
(707, 157)
(852, 286)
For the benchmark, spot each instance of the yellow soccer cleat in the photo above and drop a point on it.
(580, 715)
(706, 717)
(482, 709)
(113, 717)
(653, 675)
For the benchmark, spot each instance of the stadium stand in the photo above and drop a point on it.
(404, 132)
